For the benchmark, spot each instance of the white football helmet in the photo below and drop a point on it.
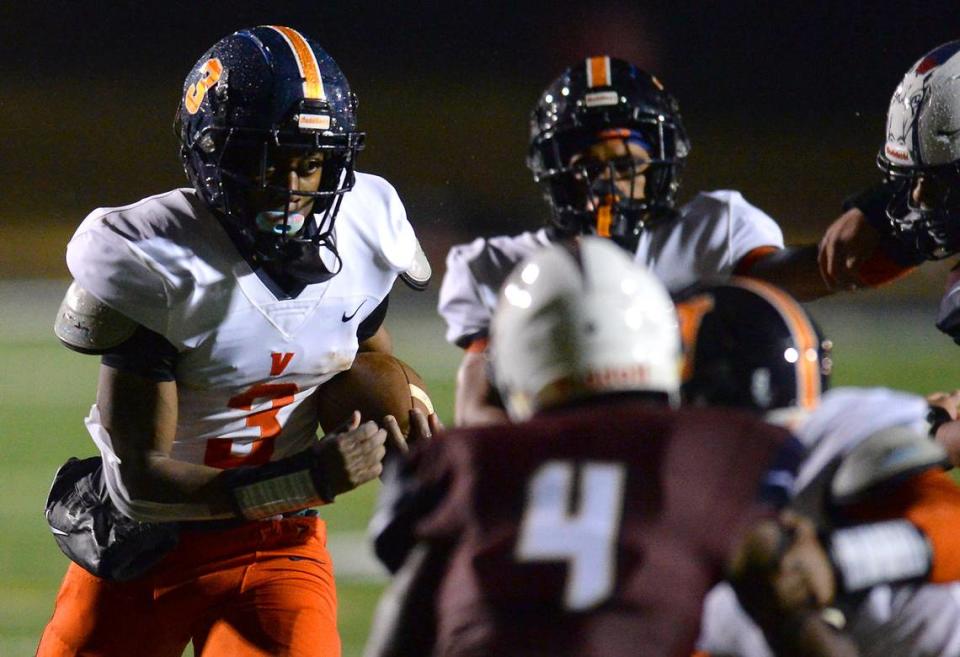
(923, 140)
(923, 122)
(580, 318)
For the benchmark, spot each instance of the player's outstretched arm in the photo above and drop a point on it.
(475, 404)
(846, 245)
(140, 416)
(795, 269)
(859, 248)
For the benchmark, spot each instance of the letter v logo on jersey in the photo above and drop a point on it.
(280, 362)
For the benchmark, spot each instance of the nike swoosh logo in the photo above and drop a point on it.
(345, 318)
(58, 532)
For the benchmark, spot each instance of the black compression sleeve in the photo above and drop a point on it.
(372, 322)
(145, 353)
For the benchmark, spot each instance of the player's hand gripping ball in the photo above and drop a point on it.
(376, 385)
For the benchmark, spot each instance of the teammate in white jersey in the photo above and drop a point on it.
(608, 146)
(872, 481)
(219, 310)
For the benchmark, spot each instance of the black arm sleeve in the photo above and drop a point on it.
(873, 202)
(372, 323)
(145, 353)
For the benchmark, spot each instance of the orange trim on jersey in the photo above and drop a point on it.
(804, 335)
(478, 346)
(306, 62)
(931, 501)
(880, 269)
(598, 72)
(753, 256)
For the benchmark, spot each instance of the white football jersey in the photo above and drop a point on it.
(907, 620)
(248, 362)
(708, 238)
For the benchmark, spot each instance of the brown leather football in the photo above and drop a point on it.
(376, 384)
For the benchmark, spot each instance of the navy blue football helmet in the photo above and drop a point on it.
(604, 98)
(257, 96)
(748, 344)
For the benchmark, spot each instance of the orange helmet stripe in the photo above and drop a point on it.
(804, 335)
(598, 72)
(306, 62)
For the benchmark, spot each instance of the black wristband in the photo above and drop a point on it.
(937, 416)
(277, 487)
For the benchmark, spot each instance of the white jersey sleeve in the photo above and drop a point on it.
(391, 238)
(475, 272)
(726, 629)
(707, 240)
(907, 621)
(847, 416)
(104, 258)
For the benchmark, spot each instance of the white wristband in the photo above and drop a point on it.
(880, 553)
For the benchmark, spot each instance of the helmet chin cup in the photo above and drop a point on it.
(279, 222)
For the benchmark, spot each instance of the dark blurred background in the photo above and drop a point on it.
(784, 101)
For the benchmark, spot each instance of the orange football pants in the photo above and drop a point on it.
(258, 589)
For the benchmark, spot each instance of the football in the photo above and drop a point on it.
(376, 384)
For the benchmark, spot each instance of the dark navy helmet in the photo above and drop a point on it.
(257, 96)
(598, 99)
(750, 345)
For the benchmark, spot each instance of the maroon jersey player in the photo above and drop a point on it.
(596, 527)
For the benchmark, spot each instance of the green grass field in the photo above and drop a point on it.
(45, 391)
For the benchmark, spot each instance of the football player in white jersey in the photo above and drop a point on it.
(219, 310)
(608, 146)
(873, 479)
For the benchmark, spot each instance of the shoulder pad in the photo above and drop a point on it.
(86, 324)
(417, 275)
(886, 456)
